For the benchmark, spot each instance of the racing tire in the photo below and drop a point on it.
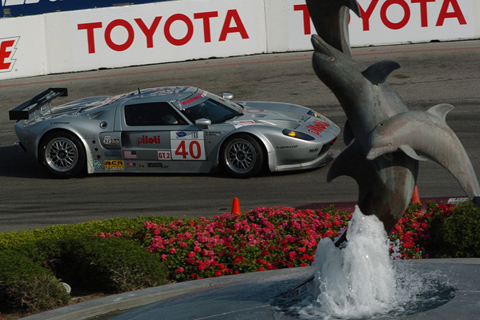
(62, 154)
(242, 156)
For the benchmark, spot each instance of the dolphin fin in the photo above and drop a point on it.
(411, 153)
(330, 19)
(348, 135)
(350, 163)
(441, 110)
(378, 72)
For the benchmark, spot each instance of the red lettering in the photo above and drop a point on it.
(393, 25)
(5, 54)
(188, 36)
(423, 11)
(318, 127)
(444, 14)
(306, 17)
(108, 33)
(365, 15)
(205, 16)
(149, 32)
(233, 15)
(90, 35)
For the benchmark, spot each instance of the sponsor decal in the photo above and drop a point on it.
(138, 29)
(128, 154)
(198, 96)
(313, 150)
(60, 122)
(181, 134)
(450, 9)
(317, 127)
(141, 166)
(148, 140)
(8, 47)
(164, 155)
(113, 154)
(214, 133)
(96, 164)
(114, 165)
(287, 147)
(111, 141)
(131, 164)
(156, 165)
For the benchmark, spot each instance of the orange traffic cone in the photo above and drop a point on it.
(415, 196)
(235, 206)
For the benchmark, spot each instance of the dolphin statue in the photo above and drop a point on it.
(385, 183)
(427, 134)
(386, 177)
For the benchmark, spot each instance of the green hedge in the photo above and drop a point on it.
(34, 263)
(25, 285)
(458, 235)
(103, 265)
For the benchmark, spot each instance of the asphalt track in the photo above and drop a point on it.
(431, 73)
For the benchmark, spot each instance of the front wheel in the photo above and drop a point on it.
(242, 156)
(62, 154)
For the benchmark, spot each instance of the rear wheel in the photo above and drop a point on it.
(242, 156)
(62, 154)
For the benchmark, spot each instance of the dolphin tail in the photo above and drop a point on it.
(378, 194)
(330, 19)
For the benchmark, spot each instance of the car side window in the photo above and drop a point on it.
(152, 114)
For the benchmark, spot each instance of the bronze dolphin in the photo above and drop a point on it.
(386, 182)
(419, 133)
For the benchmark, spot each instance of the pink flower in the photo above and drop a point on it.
(179, 270)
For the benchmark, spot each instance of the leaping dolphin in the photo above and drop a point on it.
(418, 134)
(386, 177)
(386, 183)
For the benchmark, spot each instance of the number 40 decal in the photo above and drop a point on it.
(189, 150)
(186, 148)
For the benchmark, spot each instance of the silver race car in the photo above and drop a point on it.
(171, 129)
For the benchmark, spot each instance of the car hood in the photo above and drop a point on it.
(275, 114)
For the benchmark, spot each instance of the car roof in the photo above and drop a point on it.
(169, 93)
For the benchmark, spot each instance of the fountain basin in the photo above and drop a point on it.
(248, 296)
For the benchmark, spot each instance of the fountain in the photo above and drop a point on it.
(362, 280)
(385, 142)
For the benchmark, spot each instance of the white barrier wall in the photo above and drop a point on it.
(195, 29)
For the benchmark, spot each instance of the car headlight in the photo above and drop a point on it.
(297, 134)
(316, 115)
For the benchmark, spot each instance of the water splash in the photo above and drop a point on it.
(362, 281)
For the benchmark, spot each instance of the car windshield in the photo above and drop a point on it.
(212, 110)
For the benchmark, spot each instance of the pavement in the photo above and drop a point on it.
(249, 296)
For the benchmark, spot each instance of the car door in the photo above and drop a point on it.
(155, 137)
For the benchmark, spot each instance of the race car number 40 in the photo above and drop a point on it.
(190, 146)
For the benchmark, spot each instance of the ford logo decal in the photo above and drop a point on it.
(181, 134)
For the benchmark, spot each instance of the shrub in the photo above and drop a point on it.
(25, 285)
(459, 234)
(105, 265)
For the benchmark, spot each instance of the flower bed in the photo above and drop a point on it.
(269, 238)
(261, 239)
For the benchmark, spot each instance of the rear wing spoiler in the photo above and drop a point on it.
(24, 110)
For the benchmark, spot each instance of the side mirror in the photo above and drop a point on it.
(227, 96)
(203, 123)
